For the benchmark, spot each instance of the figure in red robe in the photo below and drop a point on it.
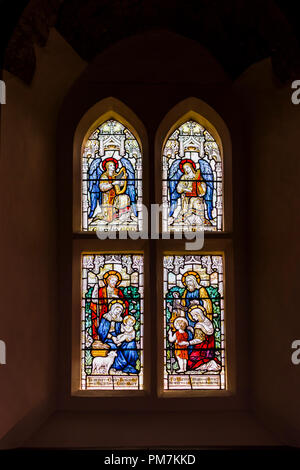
(106, 294)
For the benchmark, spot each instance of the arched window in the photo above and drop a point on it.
(108, 281)
(192, 180)
(113, 276)
(192, 143)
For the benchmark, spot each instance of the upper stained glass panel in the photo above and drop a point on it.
(111, 179)
(192, 180)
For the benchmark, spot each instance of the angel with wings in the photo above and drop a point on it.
(113, 187)
(193, 188)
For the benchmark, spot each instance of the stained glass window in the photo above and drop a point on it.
(111, 179)
(112, 322)
(192, 180)
(194, 342)
(112, 282)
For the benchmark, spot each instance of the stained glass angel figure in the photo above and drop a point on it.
(112, 186)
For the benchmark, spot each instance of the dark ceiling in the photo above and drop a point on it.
(237, 33)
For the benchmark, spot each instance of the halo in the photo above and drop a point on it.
(110, 159)
(190, 273)
(180, 319)
(112, 273)
(127, 318)
(116, 301)
(187, 160)
(192, 308)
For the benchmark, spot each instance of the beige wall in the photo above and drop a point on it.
(271, 125)
(28, 311)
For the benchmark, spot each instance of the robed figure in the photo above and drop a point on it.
(195, 293)
(105, 294)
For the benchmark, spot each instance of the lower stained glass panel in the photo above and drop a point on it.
(112, 322)
(194, 341)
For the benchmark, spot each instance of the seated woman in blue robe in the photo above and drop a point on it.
(119, 334)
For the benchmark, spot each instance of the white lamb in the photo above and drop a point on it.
(101, 365)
